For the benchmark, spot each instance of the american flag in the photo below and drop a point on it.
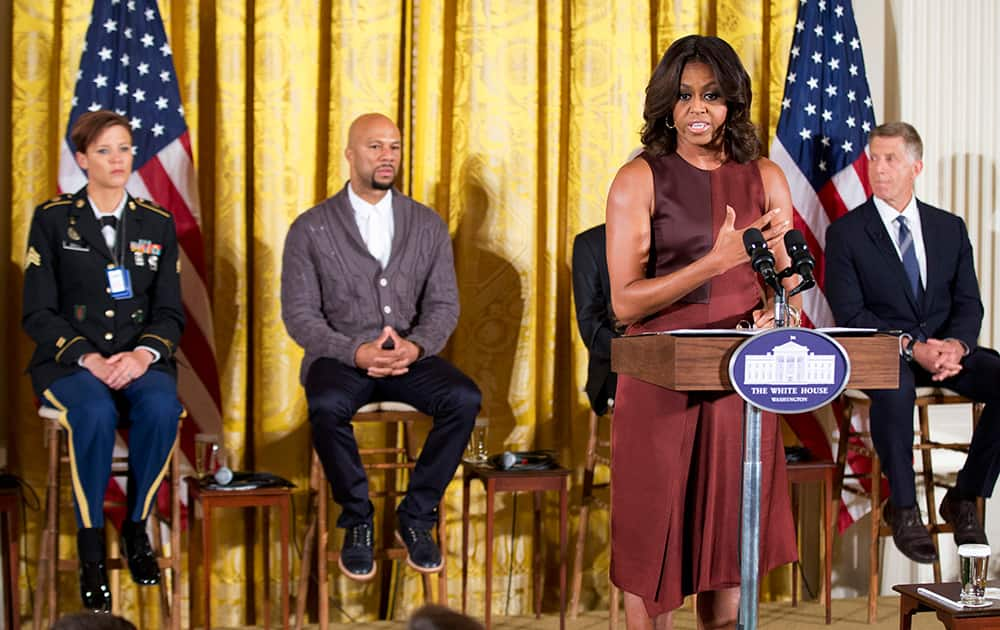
(127, 66)
(826, 114)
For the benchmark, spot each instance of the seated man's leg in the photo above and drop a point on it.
(153, 412)
(978, 381)
(90, 419)
(892, 434)
(441, 390)
(334, 392)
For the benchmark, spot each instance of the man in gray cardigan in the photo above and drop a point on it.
(368, 290)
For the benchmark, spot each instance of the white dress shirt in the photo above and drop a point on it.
(375, 223)
(912, 214)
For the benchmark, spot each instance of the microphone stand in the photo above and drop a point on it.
(750, 507)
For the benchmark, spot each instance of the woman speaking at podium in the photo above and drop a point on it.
(675, 219)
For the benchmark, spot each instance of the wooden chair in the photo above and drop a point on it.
(50, 563)
(397, 455)
(823, 471)
(598, 453)
(926, 397)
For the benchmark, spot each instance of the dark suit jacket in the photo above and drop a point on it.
(68, 311)
(592, 293)
(866, 284)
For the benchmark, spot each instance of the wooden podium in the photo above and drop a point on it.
(701, 363)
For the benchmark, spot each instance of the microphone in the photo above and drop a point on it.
(761, 258)
(223, 475)
(802, 261)
(508, 460)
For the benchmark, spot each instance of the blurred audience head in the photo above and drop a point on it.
(434, 617)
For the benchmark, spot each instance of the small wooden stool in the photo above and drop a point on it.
(266, 498)
(808, 472)
(536, 482)
(10, 517)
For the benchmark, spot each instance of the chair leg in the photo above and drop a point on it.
(928, 476)
(48, 556)
(873, 548)
(614, 597)
(585, 499)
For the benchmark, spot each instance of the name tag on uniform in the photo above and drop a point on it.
(75, 247)
(119, 282)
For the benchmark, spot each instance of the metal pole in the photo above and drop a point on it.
(750, 520)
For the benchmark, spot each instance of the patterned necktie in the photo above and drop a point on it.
(909, 256)
(109, 224)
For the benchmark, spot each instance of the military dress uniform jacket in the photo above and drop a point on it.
(68, 307)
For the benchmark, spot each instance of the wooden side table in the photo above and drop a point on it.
(911, 602)
(536, 482)
(249, 499)
(822, 471)
(10, 518)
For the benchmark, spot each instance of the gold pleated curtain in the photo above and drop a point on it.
(515, 117)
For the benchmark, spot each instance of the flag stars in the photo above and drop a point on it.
(825, 141)
(157, 130)
(839, 11)
(853, 69)
(165, 49)
(104, 53)
(786, 103)
(827, 115)
(795, 52)
(125, 60)
(100, 80)
(834, 64)
(851, 96)
(805, 134)
(813, 83)
(851, 122)
(127, 33)
(120, 112)
(74, 100)
(131, 5)
(791, 77)
(855, 43)
(810, 109)
(135, 123)
(79, 74)
(122, 88)
(147, 40)
(831, 90)
(161, 103)
(838, 38)
(822, 165)
(180, 110)
(143, 69)
(110, 26)
(868, 101)
(800, 26)
(847, 146)
(150, 15)
(165, 76)
(822, 5)
(817, 58)
(818, 30)
(139, 96)
(866, 126)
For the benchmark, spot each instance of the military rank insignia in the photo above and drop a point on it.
(32, 258)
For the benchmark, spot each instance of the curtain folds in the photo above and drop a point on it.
(515, 117)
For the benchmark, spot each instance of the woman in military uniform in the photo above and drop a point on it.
(102, 302)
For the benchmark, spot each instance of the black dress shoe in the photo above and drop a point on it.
(94, 591)
(962, 515)
(422, 552)
(139, 554)
(357, 556)
(909, 533)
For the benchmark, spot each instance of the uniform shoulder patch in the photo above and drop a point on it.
(149, 205)
(61, 200)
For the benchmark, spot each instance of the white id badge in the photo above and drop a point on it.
(120, 283)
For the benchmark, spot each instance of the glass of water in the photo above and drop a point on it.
(477, 451)
(206, 453)
(973, 562)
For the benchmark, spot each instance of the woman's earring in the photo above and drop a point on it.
(667, 123)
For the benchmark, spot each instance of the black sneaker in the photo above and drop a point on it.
(357, 556)
(422, 552)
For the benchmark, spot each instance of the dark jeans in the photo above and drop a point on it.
(892, 426)
(335, 391)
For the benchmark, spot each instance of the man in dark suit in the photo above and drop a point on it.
(102, 303)
(896, 263)
(592, 293)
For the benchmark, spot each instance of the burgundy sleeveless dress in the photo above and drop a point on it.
(676, 473)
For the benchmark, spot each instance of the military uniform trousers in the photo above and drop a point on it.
(91, 412)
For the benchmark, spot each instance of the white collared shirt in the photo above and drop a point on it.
(912, 214)
(376, 224)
